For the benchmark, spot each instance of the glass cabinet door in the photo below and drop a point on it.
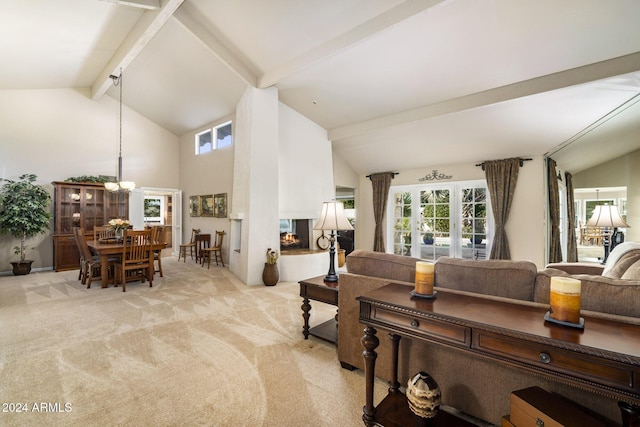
(70, 208)
(117, 205)
(93, 208)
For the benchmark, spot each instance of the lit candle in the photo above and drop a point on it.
(565, 299)
(424, 278)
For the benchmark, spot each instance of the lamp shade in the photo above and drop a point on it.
(333, 217)
(606, 216)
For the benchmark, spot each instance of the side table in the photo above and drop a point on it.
(316, 289)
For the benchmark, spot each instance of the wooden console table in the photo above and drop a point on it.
(603, 358)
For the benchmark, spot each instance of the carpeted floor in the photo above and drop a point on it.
(199, 348)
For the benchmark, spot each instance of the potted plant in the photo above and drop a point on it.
(23, 214)
(428, 238)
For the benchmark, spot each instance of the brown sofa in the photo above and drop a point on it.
(477, 386)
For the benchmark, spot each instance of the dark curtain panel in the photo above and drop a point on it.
(380, 183)
(572, 246)
(555, 248)
(502, 176)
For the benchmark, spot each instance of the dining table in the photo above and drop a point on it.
(110, 249)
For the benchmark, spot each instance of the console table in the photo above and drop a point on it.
(604, 357)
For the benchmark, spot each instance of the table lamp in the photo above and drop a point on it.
(609, 217)
(332, 218)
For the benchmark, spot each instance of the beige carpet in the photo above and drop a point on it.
(199, 348)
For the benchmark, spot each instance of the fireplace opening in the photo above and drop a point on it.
(294, 234)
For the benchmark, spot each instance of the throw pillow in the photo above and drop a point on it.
(625, 261)
(633, 272)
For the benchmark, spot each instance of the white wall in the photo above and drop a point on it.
(526, 227)
(205, 174)
(62, 133)
(255, 185)
(305, 175)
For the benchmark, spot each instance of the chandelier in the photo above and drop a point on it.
(120, 185)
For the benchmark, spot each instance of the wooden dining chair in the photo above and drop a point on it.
(215, 250)
(92, 264)
(137, 258)
(76, 237)
(158, 238)
(103, 232)
(191, 246)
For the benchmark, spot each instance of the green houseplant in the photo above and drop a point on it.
(23, 214)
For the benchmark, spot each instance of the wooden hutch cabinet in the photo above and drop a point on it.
(81, 205)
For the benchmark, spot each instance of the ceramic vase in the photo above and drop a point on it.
(423, 394)
(270, 274)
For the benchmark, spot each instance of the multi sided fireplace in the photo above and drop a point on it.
(294, 234)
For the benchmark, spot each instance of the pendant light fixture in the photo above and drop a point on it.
(120, 185)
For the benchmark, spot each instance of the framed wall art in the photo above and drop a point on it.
(220, 205)
(194, 206)
(206, 205)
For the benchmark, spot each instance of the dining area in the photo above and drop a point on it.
(117, 254)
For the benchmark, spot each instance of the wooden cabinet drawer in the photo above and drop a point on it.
(431, 329)
(591, 368)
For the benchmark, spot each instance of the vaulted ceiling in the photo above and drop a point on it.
(397, 84)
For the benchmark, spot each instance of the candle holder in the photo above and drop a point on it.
(564, 301)
(424, 280)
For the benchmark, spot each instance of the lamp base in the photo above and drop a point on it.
(331, 278)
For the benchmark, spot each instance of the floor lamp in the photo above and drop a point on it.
(332, 219)
(607, 216)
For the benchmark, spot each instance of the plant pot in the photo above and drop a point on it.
(270, 274)
(477, 239)
(21, 268)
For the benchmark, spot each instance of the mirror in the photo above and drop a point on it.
(606, 155)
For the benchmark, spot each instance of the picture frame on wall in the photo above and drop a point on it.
(220, 205)
(194, 206)
(206, 205)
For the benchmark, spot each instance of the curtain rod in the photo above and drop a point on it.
(521, 162)
(393, 174)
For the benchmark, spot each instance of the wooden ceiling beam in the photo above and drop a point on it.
(147, 26)
(348, 39)
(585, 74)
(231, 58)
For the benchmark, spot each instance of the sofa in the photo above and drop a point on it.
(476, 386)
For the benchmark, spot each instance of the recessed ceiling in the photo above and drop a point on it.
(397, 84)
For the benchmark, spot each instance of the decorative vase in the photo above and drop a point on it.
(119, 233)
(270, 274)
(423, 394)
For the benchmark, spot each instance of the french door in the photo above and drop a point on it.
(430, 221)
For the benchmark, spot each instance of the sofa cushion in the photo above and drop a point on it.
(503, 278)
(383, 265)
(617, 252)
(633, 272)
(624, 262)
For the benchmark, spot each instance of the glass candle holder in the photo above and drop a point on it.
(565, 299)
(424, 278)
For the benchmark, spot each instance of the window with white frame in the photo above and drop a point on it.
(212, 139)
